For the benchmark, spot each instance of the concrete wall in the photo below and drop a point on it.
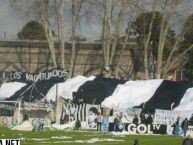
(34, 57)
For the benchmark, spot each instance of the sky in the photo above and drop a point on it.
(11, 21)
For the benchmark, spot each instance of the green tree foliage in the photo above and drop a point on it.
(141, 26)
(188, 40)
(33, 30)
(188, 29)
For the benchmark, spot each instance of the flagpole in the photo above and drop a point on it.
(57, 106)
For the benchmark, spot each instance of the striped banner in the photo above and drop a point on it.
(80, 112)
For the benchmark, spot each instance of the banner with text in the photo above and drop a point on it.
(169, 116)
(146, 129)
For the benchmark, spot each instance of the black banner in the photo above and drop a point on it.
(37, 85)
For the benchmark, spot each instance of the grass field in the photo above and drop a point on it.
(85, 137)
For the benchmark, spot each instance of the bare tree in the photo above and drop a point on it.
(74, 25)
(112, 24)
(61, 32)
(167, 9)
(147, 42)
(118, 24)
(114, 16)
(48, 30)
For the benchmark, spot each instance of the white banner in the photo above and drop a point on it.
(11, 121)
(169, 117)
(131, 112)
(91, 114)
(128, 114)
(8, 120)
(25, 76)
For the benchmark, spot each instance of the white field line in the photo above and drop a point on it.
(147, 140)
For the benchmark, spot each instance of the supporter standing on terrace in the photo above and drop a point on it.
(185, 125)
(99, 119)
(187, 141)
(105, 123)
(120, 117)
(142, 118)
(149, 119)
(135, 120)
(116, 120)
(177, 128)
(191, 120)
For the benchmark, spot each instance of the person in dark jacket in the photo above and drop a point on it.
(149, 119)
(191, 120)
(116, 120)
(187, 141)
(136, 142)
(135, 120)
(142, 118)
(185, 125)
